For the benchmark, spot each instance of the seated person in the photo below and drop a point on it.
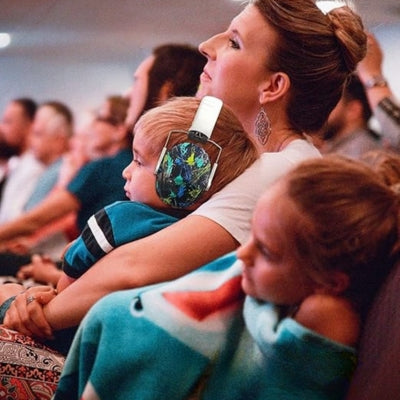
(347, 131)
(23, 168)
(94, 140)
(318, 252)
(95, 143)
(160, 194)
(48, 141)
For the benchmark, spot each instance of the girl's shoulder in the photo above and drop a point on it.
(330, 316)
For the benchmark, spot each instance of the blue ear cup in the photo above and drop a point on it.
(183, 174)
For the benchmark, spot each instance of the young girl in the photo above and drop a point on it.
(323, 239)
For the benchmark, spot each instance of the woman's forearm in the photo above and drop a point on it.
(165, 255)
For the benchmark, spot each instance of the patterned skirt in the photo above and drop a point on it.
(28, 369)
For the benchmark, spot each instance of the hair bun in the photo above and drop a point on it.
(349, 31)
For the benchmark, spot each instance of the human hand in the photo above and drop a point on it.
(371, 64)
(25, 314)
(41, 269)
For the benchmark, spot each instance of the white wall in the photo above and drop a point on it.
(389, 38)
(84, 85)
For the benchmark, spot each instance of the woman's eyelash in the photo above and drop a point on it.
(234, 44)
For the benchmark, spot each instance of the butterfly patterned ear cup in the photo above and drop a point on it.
(183, 175)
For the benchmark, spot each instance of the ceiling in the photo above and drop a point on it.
(104, 30)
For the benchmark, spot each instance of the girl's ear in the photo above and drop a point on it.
(275, 87)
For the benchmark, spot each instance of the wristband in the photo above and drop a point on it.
(390, 108)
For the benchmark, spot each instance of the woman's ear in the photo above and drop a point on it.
(275, 87)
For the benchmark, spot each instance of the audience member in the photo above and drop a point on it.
(44, 265)
(16, 124)
(41, 268)
(171, 70)
(347, 131)
(53, 129)
(97, 141)
(48, 141)
(385, 106)
(114, 106)
(101, 143)
(93, 140)
(306, 299)
(79, 153)
(6, 152)
(296, 89)
(22, 171)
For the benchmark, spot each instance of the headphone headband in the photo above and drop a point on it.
(205, 119)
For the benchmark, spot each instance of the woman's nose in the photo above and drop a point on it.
(207, 49)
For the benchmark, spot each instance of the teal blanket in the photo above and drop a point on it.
(187, 339)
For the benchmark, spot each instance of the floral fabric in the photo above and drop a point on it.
(28, 369)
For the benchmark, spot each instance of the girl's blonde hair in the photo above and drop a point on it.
(238, 150)
(386, 163)
(349, 223)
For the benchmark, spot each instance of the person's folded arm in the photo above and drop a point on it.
(165, 255)
(57, 204)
